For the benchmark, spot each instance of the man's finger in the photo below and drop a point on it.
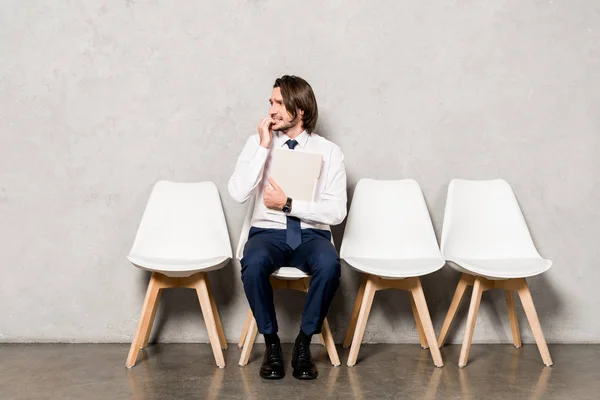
(274, 184)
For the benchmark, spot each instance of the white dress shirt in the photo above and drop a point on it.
(253, 170)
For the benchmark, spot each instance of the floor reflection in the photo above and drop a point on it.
(146, 379)
(425, 381)
(409, 375)
(538, 390)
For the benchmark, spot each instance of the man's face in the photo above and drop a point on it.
(283, 119)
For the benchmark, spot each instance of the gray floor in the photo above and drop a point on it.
(186, 371)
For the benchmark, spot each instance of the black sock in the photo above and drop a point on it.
(271, 338)
(303, 338)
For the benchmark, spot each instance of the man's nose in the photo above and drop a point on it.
(272, 110)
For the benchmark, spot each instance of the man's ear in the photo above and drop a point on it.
(301, 112)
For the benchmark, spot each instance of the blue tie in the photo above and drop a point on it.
(293, 232)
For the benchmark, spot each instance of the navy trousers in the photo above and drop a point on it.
(266, 251)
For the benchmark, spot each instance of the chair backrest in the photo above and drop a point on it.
(389, 220)
(183, 221)
(483, 220)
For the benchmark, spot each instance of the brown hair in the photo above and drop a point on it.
(298, 95)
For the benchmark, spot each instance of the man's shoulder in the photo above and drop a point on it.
(325, 142)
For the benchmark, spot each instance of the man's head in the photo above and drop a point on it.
(293, 102)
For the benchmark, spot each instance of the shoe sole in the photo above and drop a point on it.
(305, 378)
(272, 377)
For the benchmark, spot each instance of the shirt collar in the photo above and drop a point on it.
(302, 138)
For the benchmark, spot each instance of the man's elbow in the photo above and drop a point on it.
(238, 199)
(236, 195)
(339, 216)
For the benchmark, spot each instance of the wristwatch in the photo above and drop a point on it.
(287, 208)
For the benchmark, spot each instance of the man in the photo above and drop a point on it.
(300, 236)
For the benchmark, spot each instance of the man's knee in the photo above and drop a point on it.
(256, 263)
(327, 266)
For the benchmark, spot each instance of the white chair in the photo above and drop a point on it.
(182, 235)
(390, 239)
(485, 237)
(283, 278)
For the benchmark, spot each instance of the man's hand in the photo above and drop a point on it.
(265, 131)
(273, 196)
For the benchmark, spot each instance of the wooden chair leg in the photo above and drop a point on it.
(512, 316)
(471, 319)
(456, 299)
(143, 328)
(209, 320)
(427, 326)
(361, 322)
(151, 323)
(422, 338)
(355, 311)
(249, 319)
(213, 306)
(330, 344)
(534, 322)
(249, 343)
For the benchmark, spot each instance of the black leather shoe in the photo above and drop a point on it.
(272, 366)
(302, 362)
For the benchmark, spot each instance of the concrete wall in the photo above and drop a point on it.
(100, 99)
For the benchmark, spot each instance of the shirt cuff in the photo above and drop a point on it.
(262, 152)
(299, 208)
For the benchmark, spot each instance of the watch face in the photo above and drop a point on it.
(288, 205)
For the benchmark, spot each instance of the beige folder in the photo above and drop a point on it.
(296, 172)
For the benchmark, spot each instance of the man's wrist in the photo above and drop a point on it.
(287, 207)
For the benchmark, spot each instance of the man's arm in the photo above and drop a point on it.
(330, 209)
(251, 163)
(248, 170)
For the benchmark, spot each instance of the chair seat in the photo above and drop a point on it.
(395, 268)
(175, 267)
(289, 273)
(501, 268)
